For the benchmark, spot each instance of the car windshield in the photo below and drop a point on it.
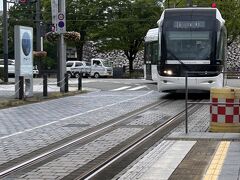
(69, 64)
(88, 64)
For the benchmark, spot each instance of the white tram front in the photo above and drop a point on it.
(191, 40)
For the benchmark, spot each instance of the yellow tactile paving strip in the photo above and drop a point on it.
(215, 167)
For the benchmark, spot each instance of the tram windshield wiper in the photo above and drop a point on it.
(175, 58)
(180, 61)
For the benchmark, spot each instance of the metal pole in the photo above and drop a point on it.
(5, 40)
(66, 82)
(38, 27)
(45, 92)
(62, 50)
(21, 87)
(80, 82)
(186, 102)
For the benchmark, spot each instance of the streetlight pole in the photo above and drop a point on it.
(62, 50)
(5, 40)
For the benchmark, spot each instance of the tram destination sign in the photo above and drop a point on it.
(189, 24)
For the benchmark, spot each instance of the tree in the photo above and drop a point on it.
(19, 14)
(126, 26)
(83, 16)
(1, 37)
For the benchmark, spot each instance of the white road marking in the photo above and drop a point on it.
(63, 119)
(121, 88)
(137, 88)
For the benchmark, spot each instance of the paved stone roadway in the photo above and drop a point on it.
(27, 128)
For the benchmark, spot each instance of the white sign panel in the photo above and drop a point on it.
(61, 23)
(23, 51)
(54, 6)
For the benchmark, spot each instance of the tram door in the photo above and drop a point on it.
(148, 61)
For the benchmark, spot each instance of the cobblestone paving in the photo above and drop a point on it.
(198, 122)
(159, 114)
(138, 168)
(64, 165)
(30, 127)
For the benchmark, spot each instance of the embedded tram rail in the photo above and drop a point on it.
(113, 160)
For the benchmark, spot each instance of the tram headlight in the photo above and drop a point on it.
(168, 72)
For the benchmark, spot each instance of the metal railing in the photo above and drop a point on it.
(15, 90)
(206, 103)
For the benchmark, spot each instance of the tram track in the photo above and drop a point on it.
(100, 165)
(122, 159)
(46, 152)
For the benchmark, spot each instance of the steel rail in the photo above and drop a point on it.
(94, 172)
(57, 149)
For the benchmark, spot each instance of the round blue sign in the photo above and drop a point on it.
(26, 43)
(61, 24)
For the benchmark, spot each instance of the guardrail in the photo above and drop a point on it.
(236, 73)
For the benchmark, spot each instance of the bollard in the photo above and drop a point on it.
(45, 92)
(66, 82)
(21, 87)
(80, 82)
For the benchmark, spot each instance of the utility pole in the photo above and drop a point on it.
(5, 40)
(62, 50)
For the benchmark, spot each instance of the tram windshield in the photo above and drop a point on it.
(188, 45)
(188, 39)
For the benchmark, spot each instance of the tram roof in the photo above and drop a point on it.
(196, 10)
(152, 35)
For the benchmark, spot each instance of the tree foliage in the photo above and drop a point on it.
(126, 25)
(19, 15)
(114, 24)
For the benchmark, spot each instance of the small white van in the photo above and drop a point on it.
(101, 67)
(96, 68)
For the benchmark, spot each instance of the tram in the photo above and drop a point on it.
(151, 54)
(192, 42)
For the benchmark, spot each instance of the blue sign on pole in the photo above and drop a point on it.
(61, 25)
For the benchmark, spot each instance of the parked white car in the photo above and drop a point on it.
(11, 67)
(101, 67)
(95, 68)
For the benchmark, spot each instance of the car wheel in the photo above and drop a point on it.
(77, 75)
(96, 75)
(69, 74)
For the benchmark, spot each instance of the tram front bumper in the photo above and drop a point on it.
(166, 84)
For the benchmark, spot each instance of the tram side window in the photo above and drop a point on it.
(154, 52)
(147, 53)
(222, 44)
